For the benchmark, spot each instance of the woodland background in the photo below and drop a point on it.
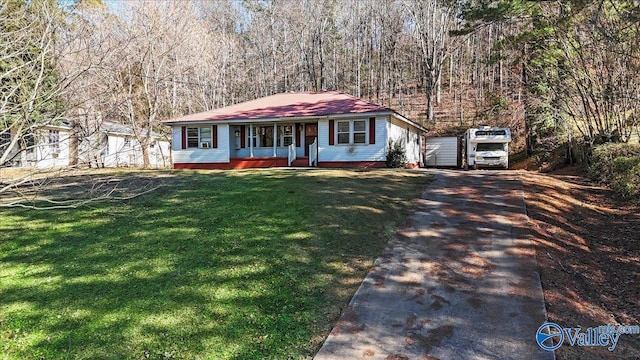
(560, 73)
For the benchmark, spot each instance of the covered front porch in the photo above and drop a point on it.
(273, 144)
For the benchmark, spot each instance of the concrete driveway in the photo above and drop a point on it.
(458, 281)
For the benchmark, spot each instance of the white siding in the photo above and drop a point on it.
(199, 156)
(359, 152)
(409, 135)
(45, 155)
(442, 151)
(160, 156)
(118, 153)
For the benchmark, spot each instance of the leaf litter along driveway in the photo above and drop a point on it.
(588, 253)
(458, 281)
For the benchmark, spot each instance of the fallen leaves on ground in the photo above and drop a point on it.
(588, 252)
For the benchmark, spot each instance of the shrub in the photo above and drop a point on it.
(601, 164)
(617, 165)
(626, 177)
(396, 157)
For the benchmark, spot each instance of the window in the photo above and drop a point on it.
(490, 147)
(352, 132)
(252, 135)
(54, 140)
(205, 137)
(490, 132)
(287, 134)
(359, 132)
(29, 143)
(199, 137)
(5, 139)
(265, 136)
(127, 141)
(192, 137)
(343, 132)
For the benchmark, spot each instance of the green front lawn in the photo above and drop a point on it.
(213, 265)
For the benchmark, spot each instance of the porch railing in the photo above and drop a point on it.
(313, 153)
(292, 154)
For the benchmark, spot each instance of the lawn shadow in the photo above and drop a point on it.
(213, 264)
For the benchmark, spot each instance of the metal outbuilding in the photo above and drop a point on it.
(442, 151)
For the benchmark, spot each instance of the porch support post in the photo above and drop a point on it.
(275, 140)
(250, 140)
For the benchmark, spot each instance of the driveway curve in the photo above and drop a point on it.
(458, 281)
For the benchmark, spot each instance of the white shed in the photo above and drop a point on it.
(442, 151)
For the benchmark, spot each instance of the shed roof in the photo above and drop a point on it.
(114, 128)
(289, 105)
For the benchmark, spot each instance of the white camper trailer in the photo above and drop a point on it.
(487, 147)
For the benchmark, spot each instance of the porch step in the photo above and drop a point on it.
(300, 162)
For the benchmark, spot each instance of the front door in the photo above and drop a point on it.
(310, 135)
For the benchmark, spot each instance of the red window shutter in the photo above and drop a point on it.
(184, 137)
(332, 139)
(297, 130)
(372, 130)
(242, 136)
(214, 135)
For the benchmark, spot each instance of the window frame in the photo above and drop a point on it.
(267, 139)
(252, 136)
(205, 139)
(28, 142)
(53, 140)
(363, 132)
(352, 132)
(193, 138)
(196, 139)
(343, 132)
(286, 137)
(5, 140)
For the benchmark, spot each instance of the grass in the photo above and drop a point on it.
(214, 265)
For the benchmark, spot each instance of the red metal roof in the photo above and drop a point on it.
(286, 105)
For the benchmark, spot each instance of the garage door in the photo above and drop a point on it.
(441, 151)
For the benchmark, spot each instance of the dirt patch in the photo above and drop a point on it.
(588, 253)
(368, 352)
